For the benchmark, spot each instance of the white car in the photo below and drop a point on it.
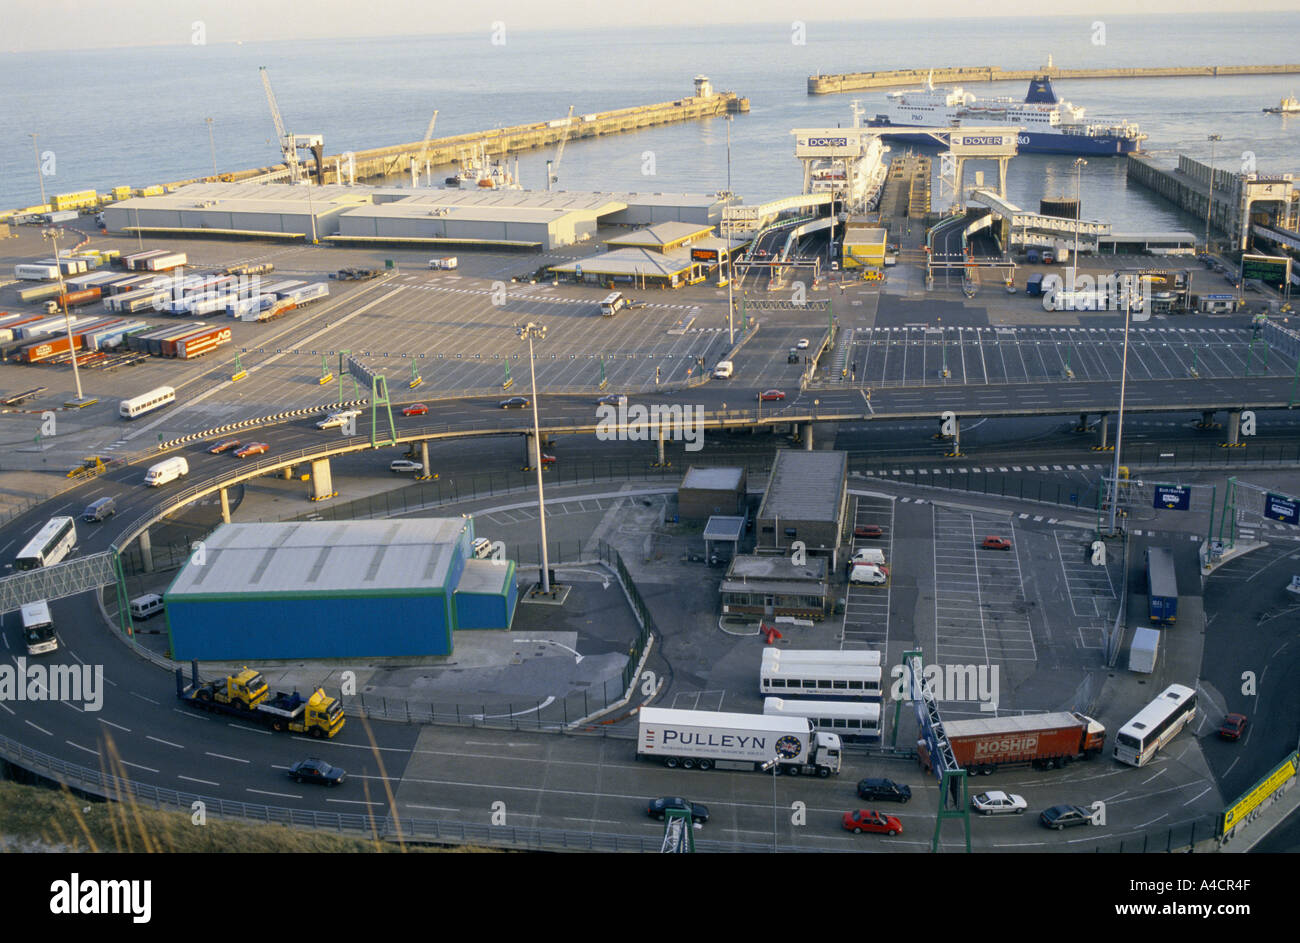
(405, 465)
(803, 344)
(995, 802)
(868, 573)
(340, 418)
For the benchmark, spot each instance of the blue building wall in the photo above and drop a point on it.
(309, 627)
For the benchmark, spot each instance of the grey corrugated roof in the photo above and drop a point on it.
(483, 576)
(724, 527)
(323, 557)
(804, 486)
(784, 589)
(722, 478)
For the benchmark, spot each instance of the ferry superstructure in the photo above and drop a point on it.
(1048, 125)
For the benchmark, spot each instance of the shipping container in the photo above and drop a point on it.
(8, 331)
(1043, 741)
(47, 348)
(68, 265)
(283, 306)
(62, 216)
(691, 738)
(166, 262)
(307, 293)
(167, 346)
(136, 260)
(73, 299)
(36, 272)
(1142, 653)
(156, 339)
(155, 190)
(81, 199)
(121, 193)
(1162, 585)
(39, 292)
(44, 326)
(192, 347)
(279, 288)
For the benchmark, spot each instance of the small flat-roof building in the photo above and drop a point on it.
(335, 589)
(770, 585)
(864, 244)
(705, 492)
(806, 500)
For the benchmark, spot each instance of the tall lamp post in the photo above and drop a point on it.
(1079, 164)
(1119, 425)
(1209, 200)
(39, 176)
(528, 332)
(212, 146)
(53, 236)
(731, 269)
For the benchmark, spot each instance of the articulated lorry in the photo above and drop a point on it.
(245, 695)
(709, 739)
(1044, 741)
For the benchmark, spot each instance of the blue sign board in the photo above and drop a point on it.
(1172, 497)
(1278, 507)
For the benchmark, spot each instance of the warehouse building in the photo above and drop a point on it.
(806, 500)
(335, 589)
(525, 219)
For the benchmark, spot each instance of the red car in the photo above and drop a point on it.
(252, 448)
(415, 409)
(868, 531)
(868, 820)
(224, 446)
(769, 395)
(548, 459)
(996, 543)
(1234, 725)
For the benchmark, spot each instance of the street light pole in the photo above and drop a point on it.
(1119, 426)
(529, 331)
(53, 236)
(1079, 164)
(1209, 200)
(212, 145)
(39, 176)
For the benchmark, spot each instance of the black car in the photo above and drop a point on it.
(884, 789)
(315, 770)
(658, 808)
(1062, 816)
(514, 402)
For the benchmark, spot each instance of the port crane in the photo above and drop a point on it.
(553, 167)
(290, 144)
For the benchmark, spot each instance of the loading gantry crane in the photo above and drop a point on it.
(553, 167)
(290, 144)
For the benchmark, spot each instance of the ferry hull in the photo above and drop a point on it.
(1036, 142)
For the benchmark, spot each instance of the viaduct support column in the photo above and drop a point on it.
(807, 436)
(1234, 429)
(146, 551)
(1103, 427)
(426, 471)
(1207, 420)
(1083, 423)
(322, 481)
(661, 460)
(956, 438)
(225, 506)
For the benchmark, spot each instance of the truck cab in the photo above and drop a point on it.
(828, 751)
(244, 690)
(1095, 737)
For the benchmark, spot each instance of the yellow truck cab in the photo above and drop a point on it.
(244, 690)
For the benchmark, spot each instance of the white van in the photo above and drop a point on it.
(867, 573)
(724, 370)
(609, 307)
(482, 548)
(446, 262)
(150, 604)
(872, 555)
(167, 470)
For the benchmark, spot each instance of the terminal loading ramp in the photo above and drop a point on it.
(1035, 229)
(742, 221)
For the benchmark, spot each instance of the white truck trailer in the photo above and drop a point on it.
(709, 739)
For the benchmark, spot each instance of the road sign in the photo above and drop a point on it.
(1279, 507)
(1172, 497)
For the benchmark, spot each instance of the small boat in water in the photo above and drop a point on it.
(1288, 106)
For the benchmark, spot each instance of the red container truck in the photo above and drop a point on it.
(45, 349)
(73, 299)
(1045, 741)
(196, 345)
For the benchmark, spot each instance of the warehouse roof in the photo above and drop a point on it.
(634, 262)
(484, 576)
(323, 557)
(723, 478)
(805, 486)
(667, 235)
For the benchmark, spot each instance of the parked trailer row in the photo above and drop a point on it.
(197, 345)
(36, 272)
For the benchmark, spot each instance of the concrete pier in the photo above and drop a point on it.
(853, 81)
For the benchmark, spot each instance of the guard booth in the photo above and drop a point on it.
(1218, 304)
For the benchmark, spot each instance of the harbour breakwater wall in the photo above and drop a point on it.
(853, 81)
